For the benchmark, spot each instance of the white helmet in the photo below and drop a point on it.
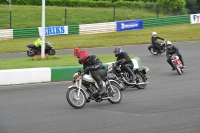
(154, 33)
(169, 43)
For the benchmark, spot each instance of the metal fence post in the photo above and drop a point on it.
(65, 16)
(113, 1)
(157, 10)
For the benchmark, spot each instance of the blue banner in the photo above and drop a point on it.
(129, 25)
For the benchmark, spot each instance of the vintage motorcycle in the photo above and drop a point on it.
(77, 96)
(32, 51)
(177, 64)
(154, 51)
(122, 77)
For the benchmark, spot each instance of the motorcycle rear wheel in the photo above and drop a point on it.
(153, 52)
(117, 95)
(141, 78)
(75, 101)
(51, 52)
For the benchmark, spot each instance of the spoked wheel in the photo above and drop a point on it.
(115, 94)
(141, 79)
(178, 69)
(52, 52)
(30, 53)
(74, 100)
(154, 52)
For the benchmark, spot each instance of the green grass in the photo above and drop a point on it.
(24, 16)
(62, 60)
(186, 32)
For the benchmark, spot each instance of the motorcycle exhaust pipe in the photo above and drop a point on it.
(142, 83)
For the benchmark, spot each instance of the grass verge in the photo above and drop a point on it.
(62, 60)
(24, 16)
(178, 33)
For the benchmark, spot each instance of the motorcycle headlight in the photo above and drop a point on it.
(75, 76)
(110, 68)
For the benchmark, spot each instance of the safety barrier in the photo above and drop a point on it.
(52, 74)
(97, 28)
(101, 27)
(163, 21)
(6, 34)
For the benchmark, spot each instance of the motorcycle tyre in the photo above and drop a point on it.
(144, 80)
(120, 94)
(30, 54)
(69, 101)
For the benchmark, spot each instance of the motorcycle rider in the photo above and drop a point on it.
(126, 63)
(154, 41)
(38, 44)
(171, 50)
(93, 65)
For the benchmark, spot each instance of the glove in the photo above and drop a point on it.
(87, 69)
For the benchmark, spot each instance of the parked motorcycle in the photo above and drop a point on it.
(177, 64)
(77, 96)
(154, 51)
(122, 77)
(32, 51)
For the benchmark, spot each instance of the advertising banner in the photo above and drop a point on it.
(54, 30)
(194, 18)
(129, 25)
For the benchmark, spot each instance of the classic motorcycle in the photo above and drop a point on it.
(122, 77)
(177, 64)
(77, 96)
(32, 51)
(154, 51)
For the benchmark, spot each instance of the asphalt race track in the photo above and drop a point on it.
(169, 104)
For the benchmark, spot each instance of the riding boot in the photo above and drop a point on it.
(181, 59)
(102, 88)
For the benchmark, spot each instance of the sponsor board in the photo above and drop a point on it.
(54, 30)
(129, 25)
(194, 18)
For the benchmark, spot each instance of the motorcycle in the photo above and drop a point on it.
(77, 96)
(122, 77)
(177, 64)
(154, 51)
(32, 51)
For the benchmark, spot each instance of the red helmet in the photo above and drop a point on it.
(82, 55)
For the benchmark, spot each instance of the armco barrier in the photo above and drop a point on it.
(162, 21)
(22, 76)
(25, 33)
(6, 34)
(97, 28)
(73, 29)
(53, 74)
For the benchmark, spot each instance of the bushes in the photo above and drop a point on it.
(172, 6)
(166, 6)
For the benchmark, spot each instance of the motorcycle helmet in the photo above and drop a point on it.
(117, 51)
(154, 34)
(82, 56)
(169, 44)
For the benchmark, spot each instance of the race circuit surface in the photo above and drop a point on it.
(169, 104)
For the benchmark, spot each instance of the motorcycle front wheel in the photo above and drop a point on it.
(73, 99)
(30, 53)
(115, 94)
(178, 69)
